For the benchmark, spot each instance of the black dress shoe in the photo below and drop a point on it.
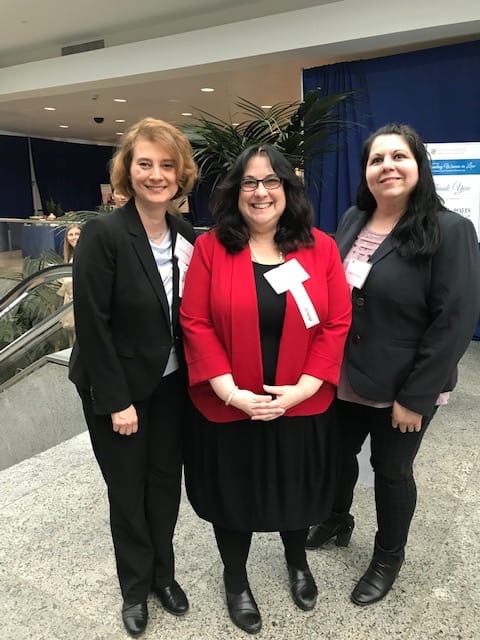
(173, 598)
(135, 617)
(243, 611)
(338, 527)
(376, 582)
(302, 587)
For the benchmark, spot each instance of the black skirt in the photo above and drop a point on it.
(261, 476)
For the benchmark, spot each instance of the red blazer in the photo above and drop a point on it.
(219, 317)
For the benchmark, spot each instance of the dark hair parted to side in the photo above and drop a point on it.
(174, 142)
(417, 233)
(294, 229)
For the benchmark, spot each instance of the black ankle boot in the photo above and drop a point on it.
(339, 527)
(377, 581)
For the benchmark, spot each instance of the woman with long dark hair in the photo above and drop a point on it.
(265, 314)
(414, 272)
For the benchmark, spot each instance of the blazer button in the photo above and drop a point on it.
(360, 302)
(356, 339)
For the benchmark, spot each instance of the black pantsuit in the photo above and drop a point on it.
(412, 321)
(143, 476)
(125, 333)
(392, 457)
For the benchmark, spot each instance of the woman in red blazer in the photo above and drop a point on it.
(265, 314)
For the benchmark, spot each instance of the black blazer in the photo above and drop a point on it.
(412, 321)
(124, 334)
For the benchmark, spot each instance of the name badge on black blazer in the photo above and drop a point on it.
(183, 252)
(357, 272)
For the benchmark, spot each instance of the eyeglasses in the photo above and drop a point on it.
(251, 184)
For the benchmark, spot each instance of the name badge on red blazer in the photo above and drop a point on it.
(290, 276)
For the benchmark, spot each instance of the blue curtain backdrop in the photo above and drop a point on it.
(15, 179)
(70, 173)
(437, 91)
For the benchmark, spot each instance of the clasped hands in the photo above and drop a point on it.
(275, 402)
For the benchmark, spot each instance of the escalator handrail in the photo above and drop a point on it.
(34, 334)
(32, 282)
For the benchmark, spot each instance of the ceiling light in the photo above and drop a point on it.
(119, 120)
(207, 89)
(266, 106)
(119, 100)
(186, 113)
(119, 133)
(63, 126)
(50, 108)
(235, 124)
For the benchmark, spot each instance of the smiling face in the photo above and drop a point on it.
(153, 175)
(392, 171)
(261, 209)
(73, 235)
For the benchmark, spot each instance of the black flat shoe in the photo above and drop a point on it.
(338, 527)
(135, 617)
(376, 582)
(173, 598)
(243, 611)
(302, 587)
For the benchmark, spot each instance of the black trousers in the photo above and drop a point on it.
(392, 457)
(143, 476)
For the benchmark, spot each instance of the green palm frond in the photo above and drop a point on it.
(300, 130)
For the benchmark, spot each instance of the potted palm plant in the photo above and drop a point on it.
(300, 130)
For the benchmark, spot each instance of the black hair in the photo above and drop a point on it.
(417, 233)
(294, 228)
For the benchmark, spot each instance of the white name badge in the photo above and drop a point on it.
(357, 272)
(290, 276)
(183, 252)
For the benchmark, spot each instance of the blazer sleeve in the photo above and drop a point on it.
(204, 352)
(454, 304)
(93, 282)
(325, 354)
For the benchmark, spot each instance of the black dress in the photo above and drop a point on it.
(262, 476)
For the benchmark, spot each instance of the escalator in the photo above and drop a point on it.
(33, 321)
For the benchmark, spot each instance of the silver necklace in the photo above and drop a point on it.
(158, 235)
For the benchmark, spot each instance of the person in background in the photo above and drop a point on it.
(265, 314)
(118, 199)
(72, 234)
(414, 271)
(127, 360)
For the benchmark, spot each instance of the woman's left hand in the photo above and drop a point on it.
(404, 419)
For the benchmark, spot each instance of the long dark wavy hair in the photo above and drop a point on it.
(294, 228)
(417, 233)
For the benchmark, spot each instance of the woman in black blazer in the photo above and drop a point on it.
(127, 362)
(414, 271)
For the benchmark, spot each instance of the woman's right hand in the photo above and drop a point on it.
(125, 422)
(258, 407)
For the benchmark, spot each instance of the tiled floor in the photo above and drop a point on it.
(57, 576)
